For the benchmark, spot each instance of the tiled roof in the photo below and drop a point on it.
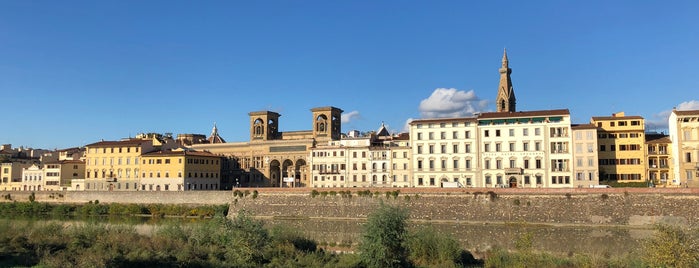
(438, 120)
(180, 153)
(117, 143)
(690, 112)
(523, 113)
(583, 126)
(600, 118)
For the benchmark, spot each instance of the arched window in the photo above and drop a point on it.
(321, 123)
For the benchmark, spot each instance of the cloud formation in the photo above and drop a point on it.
(348, 117)
(451, 102)
(659, 121)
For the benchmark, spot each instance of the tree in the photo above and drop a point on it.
(383, 241)
(671, 247)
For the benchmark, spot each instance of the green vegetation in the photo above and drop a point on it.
(671, 247)
(95, 209)
(383, 239)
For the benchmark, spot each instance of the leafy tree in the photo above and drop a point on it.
(383, 239)
(671, 247)
(429, 247)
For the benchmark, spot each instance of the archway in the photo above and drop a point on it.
(300, 172)
(274, 172)
(287, 170)
(513, 182)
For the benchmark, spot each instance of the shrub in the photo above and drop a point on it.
(383, 238)
(516, 202)
(605, 196)
(314, 193)
(255, 194)
(671, 247)
(32, 197)
(431, 248)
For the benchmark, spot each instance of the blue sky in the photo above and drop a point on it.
(75, 72)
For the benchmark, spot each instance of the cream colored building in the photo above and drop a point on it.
(376, 160)
(180, 170)
(585, 166)
(622, 156)
(60, 174)
(272, 155)
(444, 150)
(32, 178)
(684, 133)
(659, 158)
(525, 149)
(114, 165)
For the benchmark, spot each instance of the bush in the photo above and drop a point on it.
(383, 238)
(314, 193)
(671, 247)
(431, 248)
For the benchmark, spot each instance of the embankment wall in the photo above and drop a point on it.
(630, 207)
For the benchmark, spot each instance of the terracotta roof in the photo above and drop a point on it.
(437, 120)
(66, 162)
(117, 143)
(583, 126)
(689, 112)
(599, 118)
(179, 153)
(657, 138)
(523, 113)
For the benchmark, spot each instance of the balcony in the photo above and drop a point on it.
(324, 172)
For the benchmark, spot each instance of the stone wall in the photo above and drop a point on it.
(632, 207)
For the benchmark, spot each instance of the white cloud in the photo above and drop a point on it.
(659, 121)
(450, 102)
(347, 117)
(406, 126)
(688, 105)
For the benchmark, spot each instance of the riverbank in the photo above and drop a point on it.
(558, 207)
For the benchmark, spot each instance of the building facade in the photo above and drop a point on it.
(272, 157)
(684, 133)
(180, 170)
(585, 168)
(659, 155)
(444, 150)
(621, 147)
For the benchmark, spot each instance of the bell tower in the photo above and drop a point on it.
(264, 125)
(505, 101)
(327, 123)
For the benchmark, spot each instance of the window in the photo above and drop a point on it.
(431, 163)
(487, 164)
(419, 149)
(467, 164)
(512, 132)
(443, 135)
(419, 136)
(487, 179)
(498, 147)
(497, 133)
(455, 135)
(525, 132)
(467, 148)
(512, 163)
(512, 146)
(467, 134)
(443, 148)
(431, 136)
(431, 147)
(486, 133)
(525, 146)
(498, 164)
(526, 163)
(538, 163)
(537, 132)
(538, 179)
(455, 148)
(486, 147)
(419, 164)
(688, 157)
(537, 146)
(526, 180)
(602, 148)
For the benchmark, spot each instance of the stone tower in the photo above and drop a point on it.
(505, 101)
(264, 125)
(327, 123)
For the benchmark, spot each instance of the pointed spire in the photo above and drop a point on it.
(505, 101)
(505, 62)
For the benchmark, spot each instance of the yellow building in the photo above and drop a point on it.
(659, 159)
(180, 170)
(11, 174)
(621, 141)
(114, 165)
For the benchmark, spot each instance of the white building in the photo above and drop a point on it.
(525, 149)
(32, 178)
(444, 150)
(684, 133)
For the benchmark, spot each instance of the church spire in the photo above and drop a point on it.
(505, 101)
